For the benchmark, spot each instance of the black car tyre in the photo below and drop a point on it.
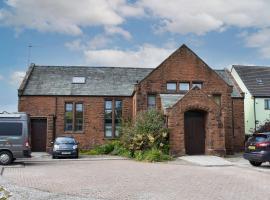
(54, 157)
(255, 164)
(5, 158)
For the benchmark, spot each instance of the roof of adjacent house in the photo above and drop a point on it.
(99, 81)
(255, 78)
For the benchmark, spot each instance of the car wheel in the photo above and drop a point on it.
(54, 157)
(256, 164)
(5, 158)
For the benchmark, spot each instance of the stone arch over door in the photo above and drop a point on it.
(195, 132)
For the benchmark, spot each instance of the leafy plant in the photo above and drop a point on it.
(147, 132)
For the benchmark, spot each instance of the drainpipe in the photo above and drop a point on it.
(232, 118)
(255, 119)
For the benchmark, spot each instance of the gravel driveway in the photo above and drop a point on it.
(126, 179)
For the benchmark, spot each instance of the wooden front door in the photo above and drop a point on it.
(38, 134)
(195, 132)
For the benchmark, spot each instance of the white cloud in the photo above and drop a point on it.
(145, 56)
(261, 41)
(66, 16)
(99, 41)
(16, 78)
(111, 30)
(1, 77)
(200, 17)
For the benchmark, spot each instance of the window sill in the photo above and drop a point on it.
(111, 138)
(73, 132)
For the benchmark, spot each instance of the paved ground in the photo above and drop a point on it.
(100, 178)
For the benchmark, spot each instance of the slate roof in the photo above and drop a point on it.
(250, 75)
(100, 81)
(229, 80)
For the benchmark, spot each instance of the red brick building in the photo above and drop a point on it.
(203, 107)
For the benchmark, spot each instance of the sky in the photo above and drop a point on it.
(127, 33)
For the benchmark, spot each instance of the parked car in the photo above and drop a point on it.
(14, 137)
(257, 149)
(65, 146)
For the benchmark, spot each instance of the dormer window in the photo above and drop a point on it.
(78, 79)
(171, 86)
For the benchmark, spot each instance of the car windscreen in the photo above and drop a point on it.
(259, 138)
(64, 140)
(10, 129)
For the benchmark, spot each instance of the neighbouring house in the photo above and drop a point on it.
(254, 81)
(204, 108)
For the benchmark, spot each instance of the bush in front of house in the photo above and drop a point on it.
(144, 140)
(147, 132)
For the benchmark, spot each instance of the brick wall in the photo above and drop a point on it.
(239, 124)
(54, 108)
(185, 66)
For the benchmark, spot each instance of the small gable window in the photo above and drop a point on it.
(171, 86)
(267, 104)
(78, 79)
(183, 87)
(198, 84)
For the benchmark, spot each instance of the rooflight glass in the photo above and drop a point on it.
(78, 79)
(259, 81)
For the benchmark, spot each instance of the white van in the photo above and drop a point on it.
(14, 137)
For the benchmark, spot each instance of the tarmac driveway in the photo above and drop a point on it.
(127, 179)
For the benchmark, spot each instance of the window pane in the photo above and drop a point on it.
(69, 107)
(267, 104)
(79, 117)
(118, 104)
(197, 84)
(117, 130)
(10, 129)
(217, 99)
(151, 101)
(108, 104)
(108, 130)
(79, 107)
(171, 86)
(69, 117)
(183, 86)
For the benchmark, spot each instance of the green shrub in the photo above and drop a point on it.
(155, 155)
(146, 133)
(139, 155)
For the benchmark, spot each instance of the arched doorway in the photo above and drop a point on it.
(195, 132)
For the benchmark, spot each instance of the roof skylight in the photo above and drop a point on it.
(259, 81)
(78, 79)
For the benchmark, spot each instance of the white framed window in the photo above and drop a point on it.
(171, 86)
(267, 104)
(198, 84)
(183, 86)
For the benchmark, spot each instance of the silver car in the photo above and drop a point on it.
(14, 137)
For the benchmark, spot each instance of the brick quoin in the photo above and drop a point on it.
(224, 124)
